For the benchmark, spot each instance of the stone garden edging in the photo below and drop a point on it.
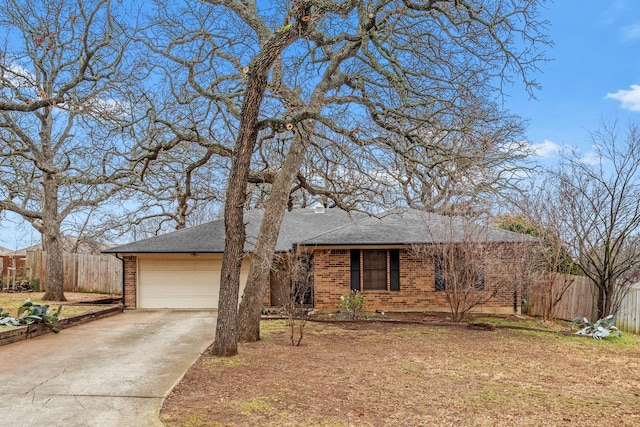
(21, 333)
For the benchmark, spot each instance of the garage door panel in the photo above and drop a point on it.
(204, 302)
(174, 286)
(168, 290)
(180, 278)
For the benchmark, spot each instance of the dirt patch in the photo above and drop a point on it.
(382, 373)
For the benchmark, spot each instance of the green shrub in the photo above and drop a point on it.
(354, 304)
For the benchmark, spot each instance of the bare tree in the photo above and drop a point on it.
(548, 269)
(463, 168)
(62, 71)
(351, 75)
(179, 187)
(293, 272)
(182, 153)
(472, 267)
(600, 214)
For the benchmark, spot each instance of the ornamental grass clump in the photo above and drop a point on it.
(598, 330)
(31, 313)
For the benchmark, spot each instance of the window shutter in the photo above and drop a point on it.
(355, 269)
(478, 280)
(394, 269)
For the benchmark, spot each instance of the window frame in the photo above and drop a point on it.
(375, 270)
(392, 270)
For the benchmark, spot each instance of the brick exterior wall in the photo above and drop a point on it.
(417, 283)
(332, 278)
(130, 281)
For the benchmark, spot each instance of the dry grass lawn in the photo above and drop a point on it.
(383, 374)
(10, 302)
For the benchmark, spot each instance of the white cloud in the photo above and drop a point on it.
(630, 98)
(631, 32)
(546, 149)
(17, 76)
(591, 158)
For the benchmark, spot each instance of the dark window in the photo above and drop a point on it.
(379, 267)
(374, 270)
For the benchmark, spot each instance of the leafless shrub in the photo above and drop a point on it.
(295, 270)
(471, 266)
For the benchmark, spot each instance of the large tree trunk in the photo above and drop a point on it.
(600, 303)
(54, 274)
(226, 341)
(605, 299)
(275, 206)
(52, 241)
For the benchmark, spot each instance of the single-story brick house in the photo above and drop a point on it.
(387, 257)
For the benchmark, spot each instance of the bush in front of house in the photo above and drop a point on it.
(354, 304)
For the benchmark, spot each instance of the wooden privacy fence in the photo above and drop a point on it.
(11, 267)
(82, 272)
(628, 318)
(578, 299)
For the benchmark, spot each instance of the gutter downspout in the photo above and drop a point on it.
(122, 278)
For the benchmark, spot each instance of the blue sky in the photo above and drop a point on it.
(594, 74)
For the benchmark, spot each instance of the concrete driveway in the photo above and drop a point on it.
(114, 371)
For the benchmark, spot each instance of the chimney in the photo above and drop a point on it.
(319, 209)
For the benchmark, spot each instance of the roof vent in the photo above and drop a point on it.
(319, 209)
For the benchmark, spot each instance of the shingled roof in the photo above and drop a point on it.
(410, 226)
(297, 225)
(333, 227)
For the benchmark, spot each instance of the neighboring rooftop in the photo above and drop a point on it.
(72, 244)
(325, 227)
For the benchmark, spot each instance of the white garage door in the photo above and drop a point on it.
(180, 283)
